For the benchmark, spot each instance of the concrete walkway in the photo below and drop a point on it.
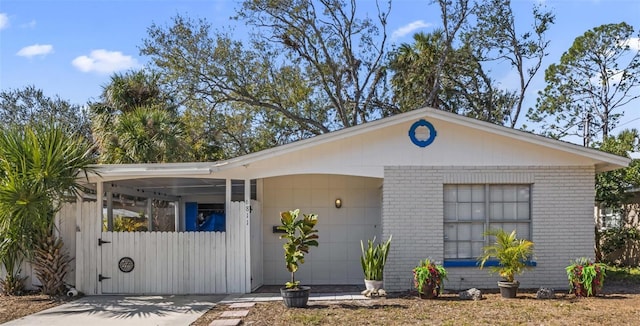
(152, 310)
(124, 310)
(260, 297)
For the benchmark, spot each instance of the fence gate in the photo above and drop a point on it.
(162, 262)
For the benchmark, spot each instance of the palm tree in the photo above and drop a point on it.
(137, 122)
(40, 166)
(146, 135)
(414, 66)
(463, 87)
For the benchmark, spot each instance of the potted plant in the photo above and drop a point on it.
(428, 279)
(511, 254)
(300, 234)
(373, 260)
(586, 278)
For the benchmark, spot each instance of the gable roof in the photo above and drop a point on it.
(605, 161)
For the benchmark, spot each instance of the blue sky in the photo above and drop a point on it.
(70, 47)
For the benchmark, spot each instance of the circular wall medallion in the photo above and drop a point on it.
(422, 133)
(126, 264)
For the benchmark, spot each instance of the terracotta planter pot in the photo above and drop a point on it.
(429, 291)
(581, 291)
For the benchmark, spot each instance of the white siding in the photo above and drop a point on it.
(366, 154)
(337, 258)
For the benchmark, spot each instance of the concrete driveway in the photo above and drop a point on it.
(124, 310)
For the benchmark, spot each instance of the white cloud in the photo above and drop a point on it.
(634, 43)
(31, 24)
(34, 50)
(103, 61)
(409, 28)
(4, 20)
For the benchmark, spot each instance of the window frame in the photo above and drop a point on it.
(486, 222)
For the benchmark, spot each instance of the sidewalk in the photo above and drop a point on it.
(260, 297)
(156, 310)
(124, 310)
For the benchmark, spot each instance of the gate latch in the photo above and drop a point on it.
(100, 278)
(100, 241)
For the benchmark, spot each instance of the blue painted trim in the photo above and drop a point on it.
(432, 133)
(474, 263)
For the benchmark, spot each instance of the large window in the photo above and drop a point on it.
(470, 210)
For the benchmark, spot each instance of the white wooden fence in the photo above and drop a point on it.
(165, 262)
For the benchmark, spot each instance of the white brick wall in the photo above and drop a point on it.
(562, 220)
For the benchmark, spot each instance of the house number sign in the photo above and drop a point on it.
(422, 133)
(126, 264)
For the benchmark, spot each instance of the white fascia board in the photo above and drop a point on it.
(609, 161)
(113, 171)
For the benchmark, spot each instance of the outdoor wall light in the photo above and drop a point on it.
(338, 203)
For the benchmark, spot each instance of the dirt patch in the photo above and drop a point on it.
(14, 307)
(617, 305)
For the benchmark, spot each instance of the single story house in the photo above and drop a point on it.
(626, 216)
(432, 179)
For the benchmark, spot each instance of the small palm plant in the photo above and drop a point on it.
(300, 234)
(512, 254)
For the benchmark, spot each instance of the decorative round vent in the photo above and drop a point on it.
(126, 264)
(422, 133)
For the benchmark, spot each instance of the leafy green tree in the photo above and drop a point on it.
(40, 166)
(614, 188)
(29, 105)
(595, 78)
(310, 67)
(494, 38)
(454, 15)
(446, 69)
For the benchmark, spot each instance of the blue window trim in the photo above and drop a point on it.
(474, 263)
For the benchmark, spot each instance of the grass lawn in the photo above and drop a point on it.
(448, 310)
(610, 309)
(14, 307)
(618, 305)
